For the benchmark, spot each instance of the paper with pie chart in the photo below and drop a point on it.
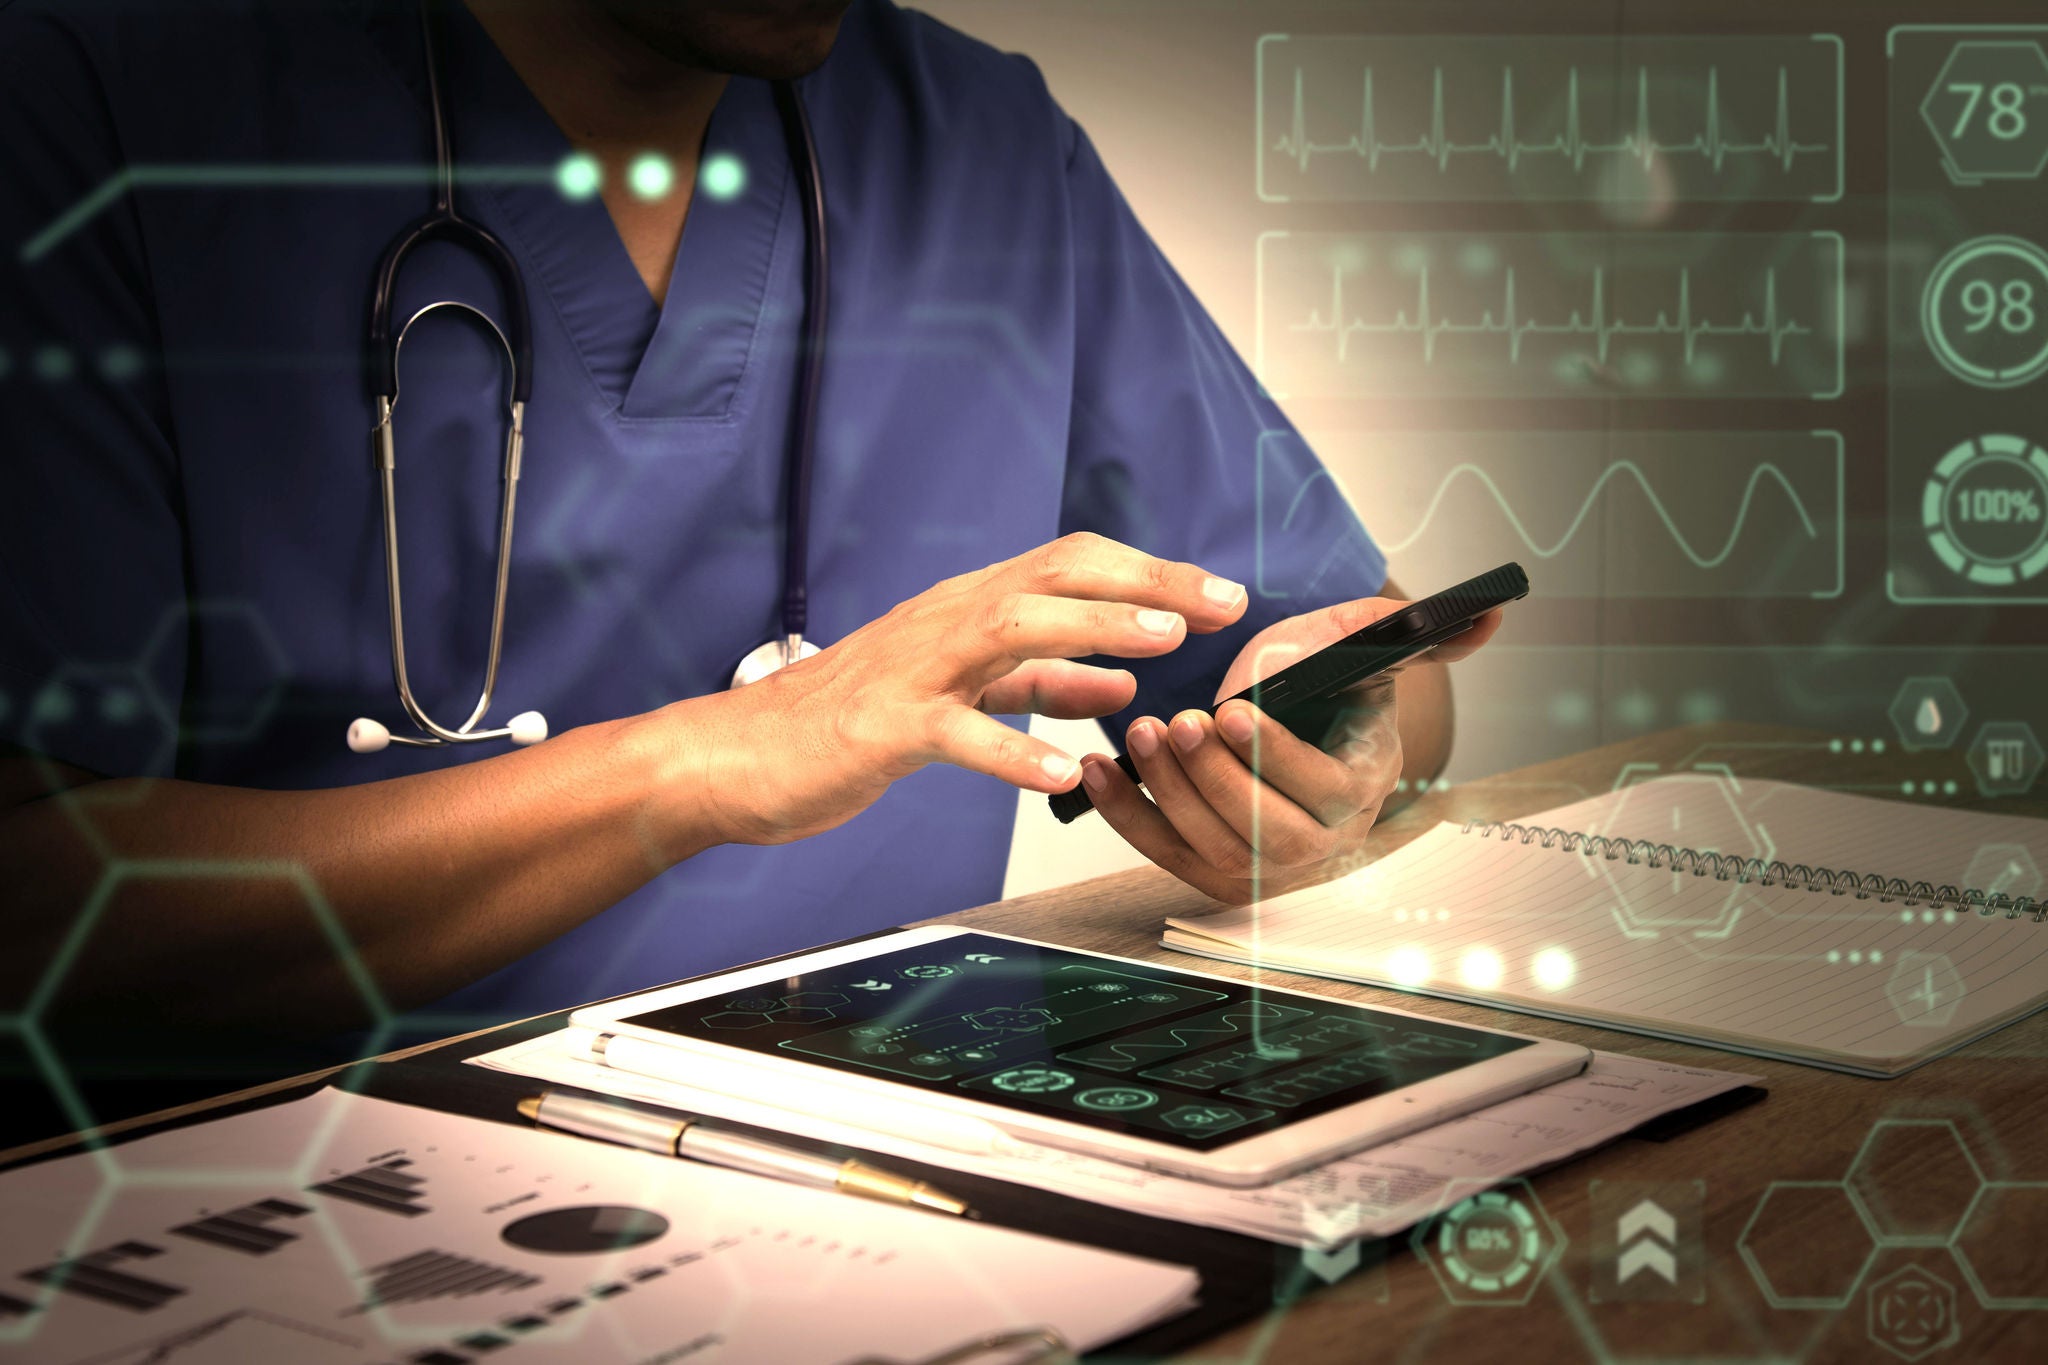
(341, 1230)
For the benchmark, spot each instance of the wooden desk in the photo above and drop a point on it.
(1797, 1147)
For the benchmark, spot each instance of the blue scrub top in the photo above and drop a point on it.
(195, 197)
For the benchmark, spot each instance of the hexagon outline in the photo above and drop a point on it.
(2013, 853)
(2006, 729)
(266, 639)
(1763, 1281)
(1547, 1261)
(123, 871)
(1723, 924)
(1869, 1215)
(2036, 1302)
(1912, 740)
(1949, 1338)
(1948, 161)
(1934, 1016)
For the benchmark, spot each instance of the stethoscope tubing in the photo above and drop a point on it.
(444, 222)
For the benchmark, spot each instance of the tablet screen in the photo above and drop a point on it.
(1140, 1050)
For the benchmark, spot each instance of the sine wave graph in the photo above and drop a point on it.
(1603, 513)
(1626, 314)
(1645, 121)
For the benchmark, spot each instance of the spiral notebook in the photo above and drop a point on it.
(1842, 931)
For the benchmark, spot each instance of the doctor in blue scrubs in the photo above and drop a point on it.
(1034, 492)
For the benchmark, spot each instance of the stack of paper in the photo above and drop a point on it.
(1373, 1193)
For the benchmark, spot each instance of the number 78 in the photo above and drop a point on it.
(2008, 118)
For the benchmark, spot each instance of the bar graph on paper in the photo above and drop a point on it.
(1441, 315)
(1638, 122)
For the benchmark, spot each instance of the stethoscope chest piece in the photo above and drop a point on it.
(771, 656)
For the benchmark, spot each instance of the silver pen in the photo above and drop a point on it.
(685, 1135)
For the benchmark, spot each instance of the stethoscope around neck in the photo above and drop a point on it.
(446, 224)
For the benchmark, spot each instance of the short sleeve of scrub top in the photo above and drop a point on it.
(192, 532)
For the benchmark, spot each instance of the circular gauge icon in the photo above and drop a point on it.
(1490, 1242)
(1116, 1099)
(1032, 1080)
(1984, 509)
(1985, 312)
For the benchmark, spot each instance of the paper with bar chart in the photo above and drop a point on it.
(339, 1230)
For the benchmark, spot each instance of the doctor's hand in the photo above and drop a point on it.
(814, 744)
(1238, 807)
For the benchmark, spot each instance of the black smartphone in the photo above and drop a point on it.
(1307, 696)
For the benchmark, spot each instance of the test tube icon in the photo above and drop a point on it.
(2005, 759)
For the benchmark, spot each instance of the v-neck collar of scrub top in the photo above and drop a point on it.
(686, 360)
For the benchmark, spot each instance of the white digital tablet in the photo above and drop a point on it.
(950, 1032)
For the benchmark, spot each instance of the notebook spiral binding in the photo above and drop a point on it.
(1728, 867)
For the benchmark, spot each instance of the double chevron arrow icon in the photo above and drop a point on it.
(1646, 1237)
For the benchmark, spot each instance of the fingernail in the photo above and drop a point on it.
(1094, 776)
(1222, 591)
(1158, 622)
(1144, 739)
(1236, 723)
(1058, 767)
(1187, 733)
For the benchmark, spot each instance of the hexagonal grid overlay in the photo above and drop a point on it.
(1988, 111)
(1912, 1183)
(1928, 713)
(801, 1007)
(1913, 1180)
(1492, 1248)
(2005, 758)
(1999, 1245)
(1808, 1268)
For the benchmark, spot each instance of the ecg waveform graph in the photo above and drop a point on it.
(1445, 315)
(1640, 122)
(1592, 513)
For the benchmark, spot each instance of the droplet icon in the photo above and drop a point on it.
(1927, 720)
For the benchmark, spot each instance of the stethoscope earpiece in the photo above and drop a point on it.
(366, 736)
(528, 727)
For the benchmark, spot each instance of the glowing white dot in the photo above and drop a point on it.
(651, 176)
(1877, 954)
(1408, 966)
(1834, 955)
(1553, 969)
(1481, 968)
(722, 176)
(578, 176)
(1856, 955)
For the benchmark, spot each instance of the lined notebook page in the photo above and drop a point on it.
(1783, 970)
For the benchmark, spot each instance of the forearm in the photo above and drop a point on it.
(212, 905)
